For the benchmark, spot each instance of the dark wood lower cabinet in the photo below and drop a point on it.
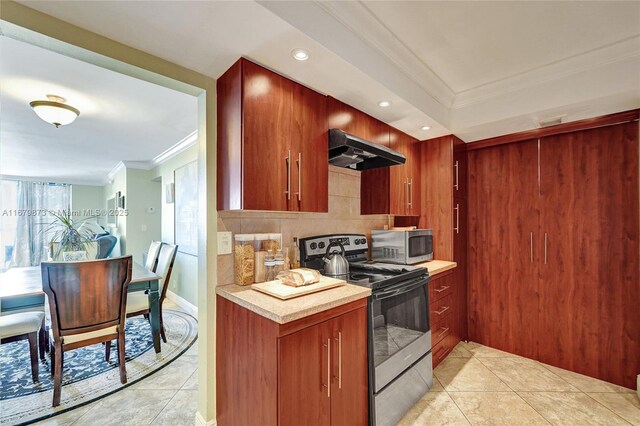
(445, 314)
(311, 371)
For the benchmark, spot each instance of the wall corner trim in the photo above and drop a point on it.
(200, 421)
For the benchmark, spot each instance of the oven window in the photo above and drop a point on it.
(420, 245)
(397, 322)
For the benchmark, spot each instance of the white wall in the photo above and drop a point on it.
(87, 200)
(142, 226)
(184, 278)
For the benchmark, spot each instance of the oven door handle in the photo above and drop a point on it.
(399, 289)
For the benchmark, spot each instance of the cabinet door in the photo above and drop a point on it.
(589, 264)
(413, 175)
(310, 166)
(267, 102)
(459, 276)
(304, 370)
(503, 248)
(398, 182)
(349, 386)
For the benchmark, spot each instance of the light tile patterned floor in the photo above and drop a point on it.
(478, 385)
(168, 397)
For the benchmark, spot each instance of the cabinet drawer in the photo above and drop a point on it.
(441, 328)
(441, 308)
(439, 289)
(440, 350)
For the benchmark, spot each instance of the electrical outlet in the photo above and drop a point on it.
(224, 242)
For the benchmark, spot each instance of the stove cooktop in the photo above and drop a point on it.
(377, 275)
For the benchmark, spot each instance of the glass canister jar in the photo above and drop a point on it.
(275, 242)
(244, 258)
(260, 255)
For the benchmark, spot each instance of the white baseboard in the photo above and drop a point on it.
(201, 422)
(184, 304)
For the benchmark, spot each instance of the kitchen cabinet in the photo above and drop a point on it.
(444, 315)
(272, 142)
(263, 367)
(353, 121)
(554, 252)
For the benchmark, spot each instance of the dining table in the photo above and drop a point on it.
(21, 290)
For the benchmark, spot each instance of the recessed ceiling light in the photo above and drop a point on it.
(425, 128)
(300, 54)
(384, 104)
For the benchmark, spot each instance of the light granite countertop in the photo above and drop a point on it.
(437, 266)
(284, 311)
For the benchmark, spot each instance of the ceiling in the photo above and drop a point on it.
(121, 118)
(475, 69)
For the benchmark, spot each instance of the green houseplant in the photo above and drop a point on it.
(65, 234)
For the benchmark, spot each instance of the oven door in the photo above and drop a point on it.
(399, 327)
(418, 246)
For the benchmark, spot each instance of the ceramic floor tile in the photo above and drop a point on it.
(481, 351)
(437, 386)
(626, 405)
(522, 374)
(67, 418)
(127, 407)
(435, 408)
(173, 376)
(460, 351)
(192, 382)
(496, 408)
(180, 411)
(467, 374)
(571, 409)
(586, 383)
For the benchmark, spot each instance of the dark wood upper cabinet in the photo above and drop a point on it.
(272, 142)
(348, 119)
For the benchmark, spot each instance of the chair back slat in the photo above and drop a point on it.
(152, 255)
(166, 259)
(86, 296)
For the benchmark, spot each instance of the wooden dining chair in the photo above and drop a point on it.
(152, 255)
(138, 302)
(87, 302)
(24, 326)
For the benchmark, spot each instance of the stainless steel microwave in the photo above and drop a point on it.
(406, 247)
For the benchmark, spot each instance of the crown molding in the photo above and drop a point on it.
(186, 143)
(360, 20)
(111, 175)
(621, 53)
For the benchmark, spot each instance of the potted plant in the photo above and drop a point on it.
(65, 236)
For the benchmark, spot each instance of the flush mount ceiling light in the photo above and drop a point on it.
(384, 104)
(425, 128)
(55, 110)
(300, 54)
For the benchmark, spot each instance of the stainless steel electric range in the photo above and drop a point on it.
(399, 335)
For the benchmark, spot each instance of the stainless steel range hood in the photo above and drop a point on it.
(351, 152)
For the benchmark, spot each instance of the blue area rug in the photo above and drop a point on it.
(86, 375)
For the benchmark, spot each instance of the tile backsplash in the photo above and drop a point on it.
(343, 216)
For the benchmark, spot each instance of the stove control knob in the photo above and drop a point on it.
(357, 241)
(363, 241)
(321, 245)
(313, 246)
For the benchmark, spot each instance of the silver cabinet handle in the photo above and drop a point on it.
(531, 245)
(443, 310)
(287, 159)
(456, 186)
(328, 385)
(441, 289)
(457, 228)
(339, 339)
(545, 248)
(299, 162)
(411, 192)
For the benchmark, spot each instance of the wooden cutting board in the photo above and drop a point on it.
(285, 292)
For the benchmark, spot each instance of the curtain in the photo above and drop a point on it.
(35, 200)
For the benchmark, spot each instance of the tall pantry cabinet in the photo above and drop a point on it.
(554, 250)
